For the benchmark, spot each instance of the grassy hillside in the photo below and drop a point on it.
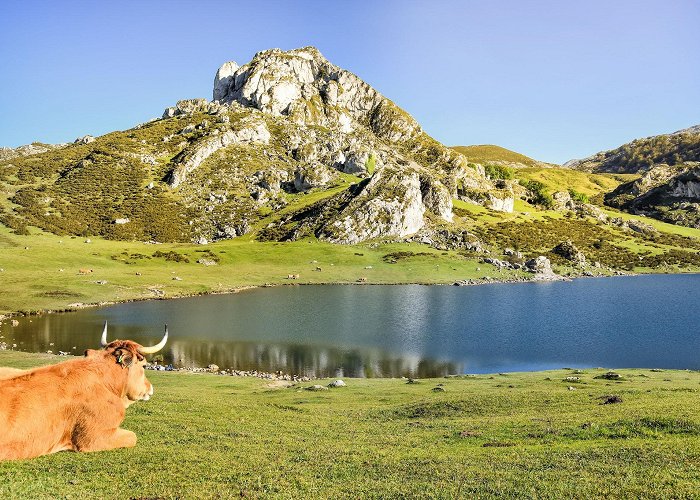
(510, 435)
(486, 153)
(559, 179)
(642, 154)
(42, 271)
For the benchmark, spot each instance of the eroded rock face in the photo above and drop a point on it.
(669, 193)
(501, 203)
(310, 121)
(542, 268)
(436, 198)
(502, 200)
(223, 79)
(251, 133)
(190, 106)
(562, 200)
(314, 176)
(389, 206)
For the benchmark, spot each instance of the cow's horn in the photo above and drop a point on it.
(157, 347)
(103, 341)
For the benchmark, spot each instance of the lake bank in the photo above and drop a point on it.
(43, 272)
(401, 330)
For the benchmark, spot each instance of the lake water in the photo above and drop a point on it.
(412, 330)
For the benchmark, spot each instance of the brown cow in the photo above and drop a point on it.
(76, 405)
(9, 372)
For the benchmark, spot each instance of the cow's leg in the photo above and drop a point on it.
(109, 440)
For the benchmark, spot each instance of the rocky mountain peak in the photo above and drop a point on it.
(304, 86)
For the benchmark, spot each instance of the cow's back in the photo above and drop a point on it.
(6, 373)
(40, 409)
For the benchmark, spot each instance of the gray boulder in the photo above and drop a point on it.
(569, 251)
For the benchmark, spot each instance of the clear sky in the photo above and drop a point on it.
(553, 79)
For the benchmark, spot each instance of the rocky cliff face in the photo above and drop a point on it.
(669, 193)
(302, 85)
(316, 122)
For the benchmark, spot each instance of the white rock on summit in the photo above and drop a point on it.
(302, 84)
(223, 78)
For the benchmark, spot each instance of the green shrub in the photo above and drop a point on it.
(538, 194)
(580, 197)
(498, 172)
(371, 164)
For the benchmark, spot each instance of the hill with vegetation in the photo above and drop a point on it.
(491, 154)
(668, 170)
(293, 157)
(641, 155)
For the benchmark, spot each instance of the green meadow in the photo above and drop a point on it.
(42, 272)
(516, 435)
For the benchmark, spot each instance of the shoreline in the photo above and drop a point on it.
(465, 282)
(293, 378)
(280, 374)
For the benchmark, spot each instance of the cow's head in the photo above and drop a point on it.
(130, 356)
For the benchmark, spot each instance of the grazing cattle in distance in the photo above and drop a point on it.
(76, 405)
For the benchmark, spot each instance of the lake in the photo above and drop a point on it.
(411, 330)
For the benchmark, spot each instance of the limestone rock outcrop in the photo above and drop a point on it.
(28, 150)
(250, 133)
(311, 122)
(390, 205)
(669, 193)
(304, 86)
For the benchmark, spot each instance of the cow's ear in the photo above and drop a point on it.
(124, 357)
(90, 352)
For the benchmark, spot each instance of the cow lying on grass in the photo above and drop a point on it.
(76, 405)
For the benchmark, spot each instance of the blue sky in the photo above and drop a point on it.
(553, 79)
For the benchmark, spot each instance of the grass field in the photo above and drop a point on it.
(515, 435)
(42, 271)
(559, 179)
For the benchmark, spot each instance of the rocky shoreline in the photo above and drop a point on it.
(215, 370)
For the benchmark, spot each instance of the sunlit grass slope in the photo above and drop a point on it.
(485, 153)
(43, 271)
(514, 435)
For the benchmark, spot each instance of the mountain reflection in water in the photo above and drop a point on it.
(302, 360)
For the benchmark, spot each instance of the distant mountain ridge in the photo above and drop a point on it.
(642, 154)
(669, 184)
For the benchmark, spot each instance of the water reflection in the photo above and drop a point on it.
(390, 331)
